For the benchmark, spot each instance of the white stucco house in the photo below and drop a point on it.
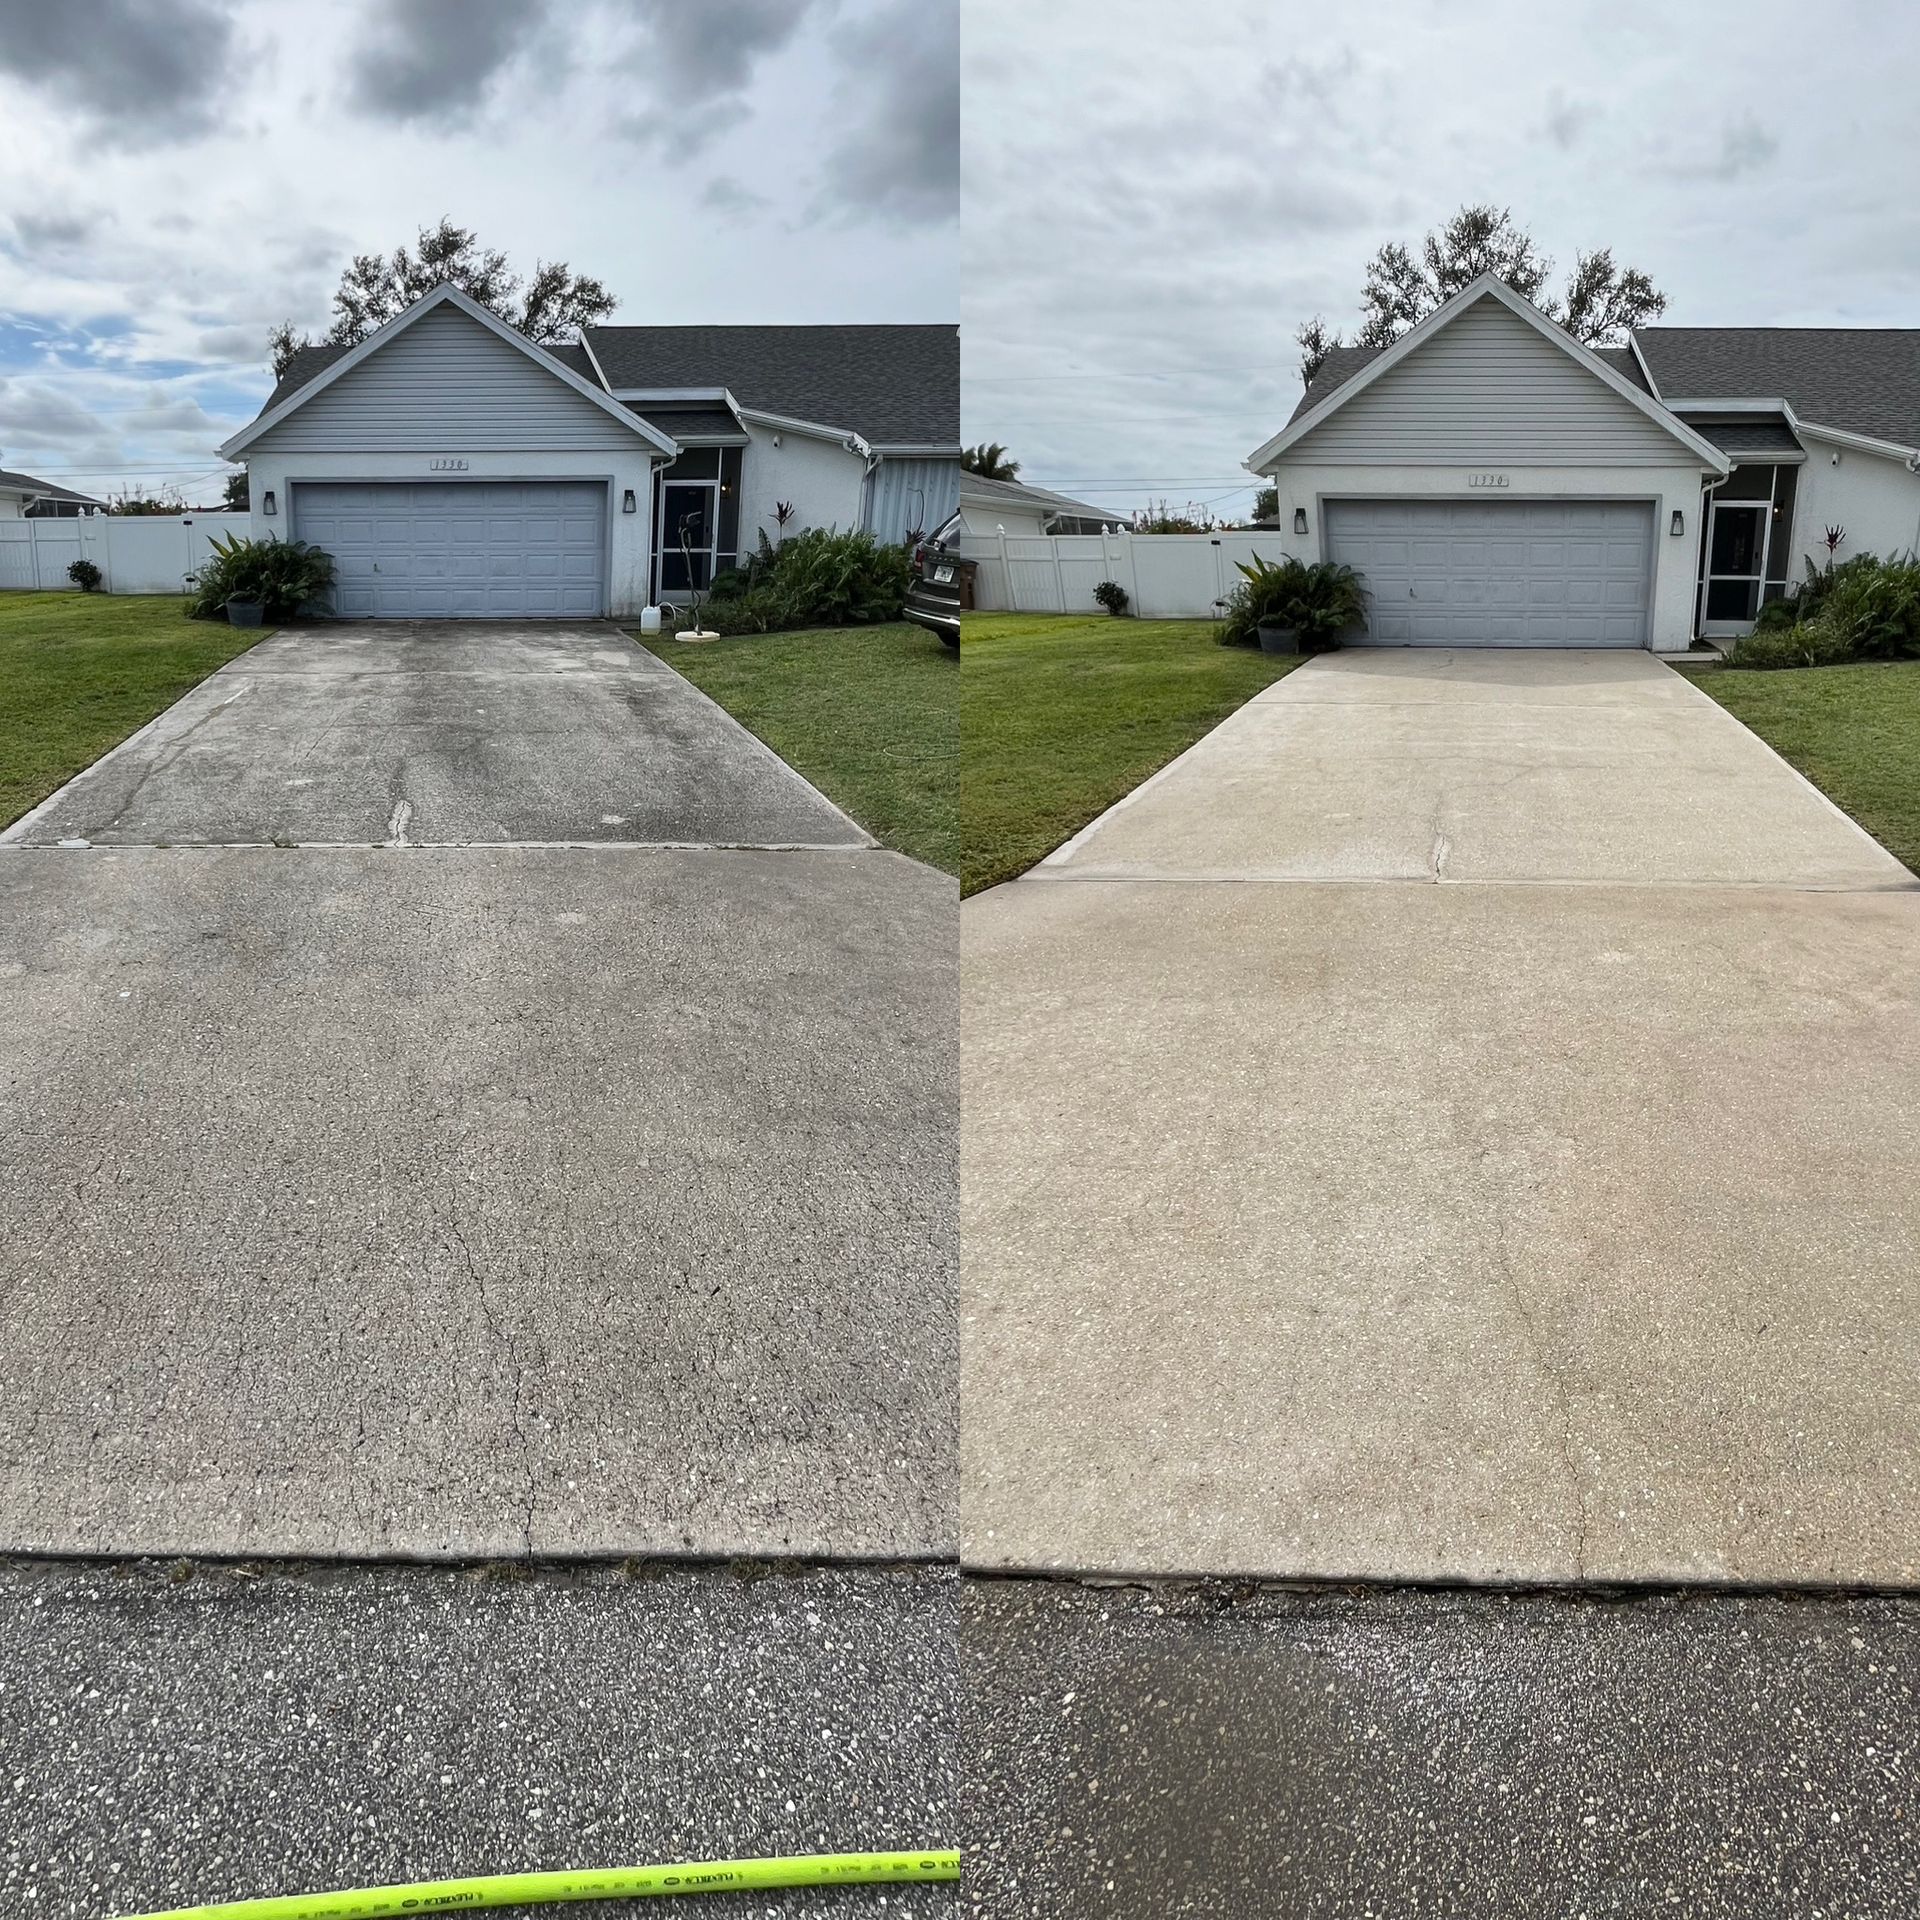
(455, 469)
(22, 497)
(1013, 507)
(1499, 484)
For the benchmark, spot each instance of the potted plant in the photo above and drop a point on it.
(1295, 606)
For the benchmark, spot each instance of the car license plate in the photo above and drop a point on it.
(942, 575)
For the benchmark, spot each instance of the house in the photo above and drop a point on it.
(22, 497)
(1499, 484)
(454, 468)
(994, 506)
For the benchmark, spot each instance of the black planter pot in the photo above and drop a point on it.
(244, 613)
(1275, 638)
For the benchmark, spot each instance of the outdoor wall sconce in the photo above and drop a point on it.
(1678, 524)
(1299, 519)
(628, 504)
(267, 505)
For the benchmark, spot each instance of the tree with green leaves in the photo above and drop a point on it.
(238, 499)
(989, 460)
(1266, 504)
(1601, 302)
(553, 305)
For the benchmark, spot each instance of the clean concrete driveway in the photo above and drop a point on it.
(428, 1200)
(1461, 1120)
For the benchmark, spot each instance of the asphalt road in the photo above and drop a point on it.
(1272, 1755)
(182, 1735)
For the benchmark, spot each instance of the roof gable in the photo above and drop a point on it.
(448, 314)
(1462, 376)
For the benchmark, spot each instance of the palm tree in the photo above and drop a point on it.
(989, 461)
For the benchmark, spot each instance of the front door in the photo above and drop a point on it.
(689, 526)
(1736, 565)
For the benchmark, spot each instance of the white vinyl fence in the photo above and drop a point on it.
(1168, 576)
(136, 553)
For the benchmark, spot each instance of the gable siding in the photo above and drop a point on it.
(446, 384)
(1487, 389)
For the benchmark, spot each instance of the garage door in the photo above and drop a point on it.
(482, 549)
(1499, 573)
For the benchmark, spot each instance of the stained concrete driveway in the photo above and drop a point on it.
(1395, 1145)
(436, 732)
(418, 1200)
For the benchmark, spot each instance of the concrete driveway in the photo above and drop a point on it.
(461, 1200)
(1459, 1121)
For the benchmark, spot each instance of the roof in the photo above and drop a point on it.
(1746, 433)
(684, 423)
(26, 483)
(1016, 494)
(892, 385)
(1863, 380)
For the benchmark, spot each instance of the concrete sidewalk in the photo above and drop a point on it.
(1321, 1220)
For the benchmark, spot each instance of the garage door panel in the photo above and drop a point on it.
(1572, 573)
(460, 550)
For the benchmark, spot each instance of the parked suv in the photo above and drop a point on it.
(933, 600)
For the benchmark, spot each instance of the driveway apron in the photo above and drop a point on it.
(467, 1097)
(1459, 1121)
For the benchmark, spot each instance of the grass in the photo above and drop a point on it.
(81, 671)
(868, 714)
(1853, 731)
(1060, 715)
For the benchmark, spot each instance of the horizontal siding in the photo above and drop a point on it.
(447, 385)
(1488, 390)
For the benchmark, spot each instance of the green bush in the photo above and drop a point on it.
(283, 575)
(1320, 599)
(1864, 609)
(85, 575)
(820, 578)
(1113, 596)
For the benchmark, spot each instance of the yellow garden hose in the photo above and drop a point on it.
(601, 1883)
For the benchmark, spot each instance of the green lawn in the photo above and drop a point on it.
(868, 714)
(81, 671)
(1853, 731)
(1062, 714)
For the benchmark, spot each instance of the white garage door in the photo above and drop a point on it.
(1499, 573)
(481, 549)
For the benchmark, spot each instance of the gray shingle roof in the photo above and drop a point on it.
(892, 385)
(690, 423)
(1745, 433)
(1862, 380)
(47, 488)
(1016, 493)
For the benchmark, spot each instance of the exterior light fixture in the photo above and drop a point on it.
(268, 505)
(1299, 519)
(1678, 524)
(628, 504)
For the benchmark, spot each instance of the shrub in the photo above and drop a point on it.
(85, 575)
(1320, 599)
(1863, 609)
(283, 575)
(1113, 596)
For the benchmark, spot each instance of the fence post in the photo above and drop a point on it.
(1006, 570)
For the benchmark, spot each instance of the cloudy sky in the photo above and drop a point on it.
(1152, 205)
(178, 175)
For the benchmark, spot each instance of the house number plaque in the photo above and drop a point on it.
(1486, 479)
(447, 463)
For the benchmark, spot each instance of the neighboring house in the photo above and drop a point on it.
(454, 468)
(1499, 484)
(1008, 506)
(24, 498)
